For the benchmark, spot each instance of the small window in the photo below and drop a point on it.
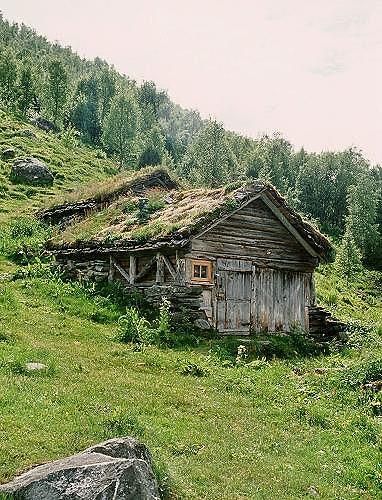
(201, 270)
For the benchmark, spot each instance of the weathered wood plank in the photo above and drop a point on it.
(169, 266)
(120, 269)
(132, 268)
(145, 269)
(160, 268)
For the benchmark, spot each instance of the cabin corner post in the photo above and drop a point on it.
(132, 268)
(160, 268)
(180, 264)
(111, 274)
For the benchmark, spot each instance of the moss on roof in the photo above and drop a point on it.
(160, 214)
(166, 213)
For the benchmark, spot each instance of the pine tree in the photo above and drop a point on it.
(153, 150)
(107, 89)
(86, 113)
(348, 260)
(121, 127)
(8, 77)
(363, 200)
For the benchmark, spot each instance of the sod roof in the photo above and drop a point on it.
(161, 213)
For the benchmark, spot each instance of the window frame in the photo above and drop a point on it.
(200, 262)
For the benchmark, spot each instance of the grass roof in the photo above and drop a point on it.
(155, 213)
(165, 213)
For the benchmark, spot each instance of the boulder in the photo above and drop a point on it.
(118, 469)
(35, 367)
(44, 124)
(31, 171)
(8, 153)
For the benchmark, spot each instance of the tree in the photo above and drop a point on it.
(107, 89)
(271, 161)
(363, 201)
(26, 90)
(322, 186)
(121, 126)
(209, 160)
(348, 260)
(154, 149)
(86, 114)
(57, 89)
(8, 77)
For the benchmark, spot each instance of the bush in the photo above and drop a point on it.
(133, 328)
(194, 370)
(364, 373)
(121, 425)
(296, 343)
(23, 239)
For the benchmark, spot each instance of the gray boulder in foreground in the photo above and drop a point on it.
(31, 171)
(118, 469)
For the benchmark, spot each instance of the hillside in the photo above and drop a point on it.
(71, 163)
(290, 427)
(291, 419)
(276, 428)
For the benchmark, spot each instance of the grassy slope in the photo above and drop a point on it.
(281, 429)
(72, 166)
(270, 432)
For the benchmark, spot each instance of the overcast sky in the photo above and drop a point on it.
(311, 69)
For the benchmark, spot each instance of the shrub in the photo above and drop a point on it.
(123, 425)
(133, 328)
(23, 239)
(363, 373)
(194, 370)
(296, 343)
(162, 330)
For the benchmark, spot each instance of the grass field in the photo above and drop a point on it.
(273, 429)
(288, 427)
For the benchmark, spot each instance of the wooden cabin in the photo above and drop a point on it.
(242, 258)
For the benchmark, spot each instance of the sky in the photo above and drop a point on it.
(309, 69)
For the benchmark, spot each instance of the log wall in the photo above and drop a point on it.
(255, 233)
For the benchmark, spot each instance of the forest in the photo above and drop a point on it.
(139, 125)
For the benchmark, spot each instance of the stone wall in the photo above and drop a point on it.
(186, 301)
(88, 270)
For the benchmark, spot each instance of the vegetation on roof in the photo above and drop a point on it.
(172, 214)
(167, 212)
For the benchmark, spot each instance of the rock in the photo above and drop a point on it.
(44, 124)
(31, 171)
(203, 324)
(8, 153)
(118, 469)
(31, 367)
(313, 491)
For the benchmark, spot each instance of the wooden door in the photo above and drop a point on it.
(280, 300)
(233, 295)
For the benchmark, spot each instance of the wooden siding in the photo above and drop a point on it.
(233, 295)
(254, 232)
(280, 299)
(260, 299)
